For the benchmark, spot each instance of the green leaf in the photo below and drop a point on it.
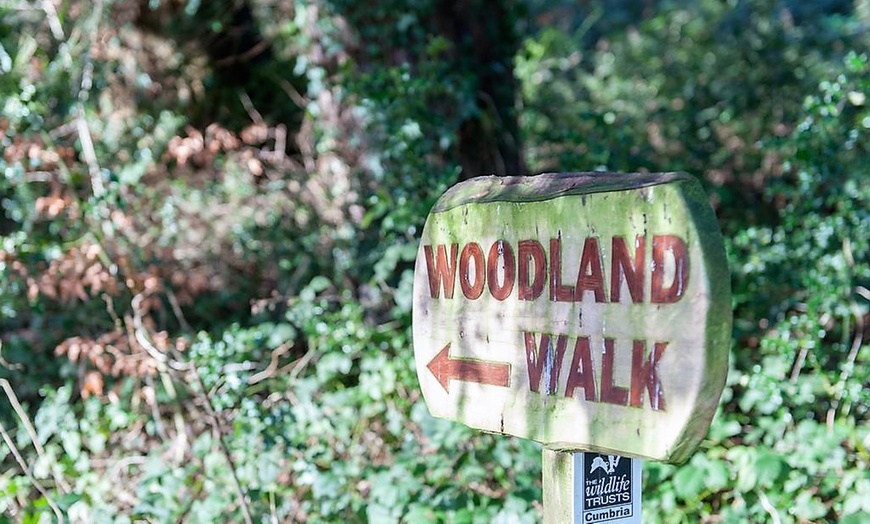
(689, 481)
(717, 475)
(267, 469)
(422, 514)
(861, 517)
(5, 60)
(857, 500)
(744, 459)
(768, 466)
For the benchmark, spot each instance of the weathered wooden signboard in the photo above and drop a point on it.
(584, 311)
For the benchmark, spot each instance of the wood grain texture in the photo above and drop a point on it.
(604, 297)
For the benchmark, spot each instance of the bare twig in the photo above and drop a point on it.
(23, 465)
(768, 507)
(140, 334)
(170, 363)
(273, 508)
(120, 464)
(218, 434)
(53, 20)
(305, 142)
(280, 141)
(300, 364)
(110, 308)
(165, 365)
(176, 309)
(6, 364)
(25, 420)
(300, 101)
(255, 115)
(62, 130)
(82, 128)
(31, 431)
(38, 176)
(257, 49)
(857, 342)
(155, 409)
(273, 364)
(799, 364)
(89, 153)
(180, 442)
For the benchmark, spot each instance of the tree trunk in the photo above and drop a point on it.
(485, 39)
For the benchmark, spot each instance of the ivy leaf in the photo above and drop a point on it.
(689, 481)
(768, 466)
(861, 517)
(717, 475)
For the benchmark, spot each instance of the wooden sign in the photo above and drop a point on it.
(585, 311)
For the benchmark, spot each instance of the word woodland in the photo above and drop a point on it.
(527, 269)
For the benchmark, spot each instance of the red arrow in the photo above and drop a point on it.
(468, 370)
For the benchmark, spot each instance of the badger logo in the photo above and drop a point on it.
(609, 467)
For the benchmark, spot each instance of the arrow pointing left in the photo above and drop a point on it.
(445, 368)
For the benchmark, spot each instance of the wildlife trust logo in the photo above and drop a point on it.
(607, 488)
(608, 467)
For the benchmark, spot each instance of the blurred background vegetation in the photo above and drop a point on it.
(209, 221)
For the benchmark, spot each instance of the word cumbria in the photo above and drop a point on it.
(529, 268)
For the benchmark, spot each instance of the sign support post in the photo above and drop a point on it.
(557, 469)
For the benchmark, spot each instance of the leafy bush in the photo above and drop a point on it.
(209, 321)
(205, 279)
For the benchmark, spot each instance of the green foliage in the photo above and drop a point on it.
(214, 337)
(206, 252)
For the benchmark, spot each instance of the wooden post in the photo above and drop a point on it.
(558, 477)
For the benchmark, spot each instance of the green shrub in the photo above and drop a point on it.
(210, 320)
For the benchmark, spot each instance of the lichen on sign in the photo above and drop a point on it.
(585, 311)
